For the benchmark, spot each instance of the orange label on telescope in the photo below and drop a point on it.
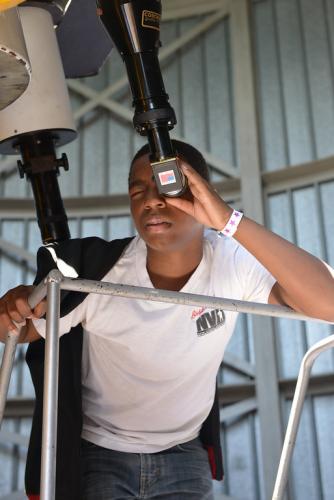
(150, 19)
(8, 4)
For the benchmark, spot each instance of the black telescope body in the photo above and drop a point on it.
(134, 27)
(41, 167)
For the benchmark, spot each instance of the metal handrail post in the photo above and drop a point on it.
(6, 369)
(8, 356)
(295, 414)
(50, 398)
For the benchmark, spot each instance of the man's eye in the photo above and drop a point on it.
(136, 193)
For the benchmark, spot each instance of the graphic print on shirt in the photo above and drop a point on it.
(207, 321)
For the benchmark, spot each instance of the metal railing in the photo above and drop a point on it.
(295, 413)
(51, 287)
(9, 352)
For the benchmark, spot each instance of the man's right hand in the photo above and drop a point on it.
(15, 314)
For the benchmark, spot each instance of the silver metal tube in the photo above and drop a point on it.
(6, 369)
(181, 298)
(295, 413)
(10, 348)
(50, 402)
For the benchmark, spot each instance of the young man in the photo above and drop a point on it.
(149, 369)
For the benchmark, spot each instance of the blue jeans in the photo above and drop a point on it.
(179, 473)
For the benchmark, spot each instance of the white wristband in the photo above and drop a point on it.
(232, 224)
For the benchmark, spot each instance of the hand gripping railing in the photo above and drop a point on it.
(9, 352)
(54, 282)
(295, 414)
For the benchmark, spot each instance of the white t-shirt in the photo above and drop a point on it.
(149, 368)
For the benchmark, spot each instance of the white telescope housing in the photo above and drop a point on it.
(45, 105)
(15, 70)
(57, 8)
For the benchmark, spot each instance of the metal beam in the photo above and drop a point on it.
(180, 10)
(18, 253)
(86, 206)
(127, 115)
(118, 205)
(19, 407)
(288, 177)
(15, 495)
(13, 438)
(17, 208)
(319, 385)
(218, 165)
(238, 410)
(98, 98)
(170, 5)
(8, 164)
(222, 496)
(251, 188)
(298, 176)
(239, 365)
(95, 206)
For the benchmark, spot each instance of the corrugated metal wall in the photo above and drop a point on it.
(294, 56)
(294, 61)
(293, 53)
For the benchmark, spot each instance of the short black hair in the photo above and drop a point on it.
(186, 152)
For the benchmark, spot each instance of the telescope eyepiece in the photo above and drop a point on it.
(134, 27)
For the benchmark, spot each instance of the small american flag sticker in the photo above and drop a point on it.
(167, 177)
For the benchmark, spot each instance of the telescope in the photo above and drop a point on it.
(41, 118)
(36, 115)
(134, 27)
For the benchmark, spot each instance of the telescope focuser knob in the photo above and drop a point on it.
(63, 162)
